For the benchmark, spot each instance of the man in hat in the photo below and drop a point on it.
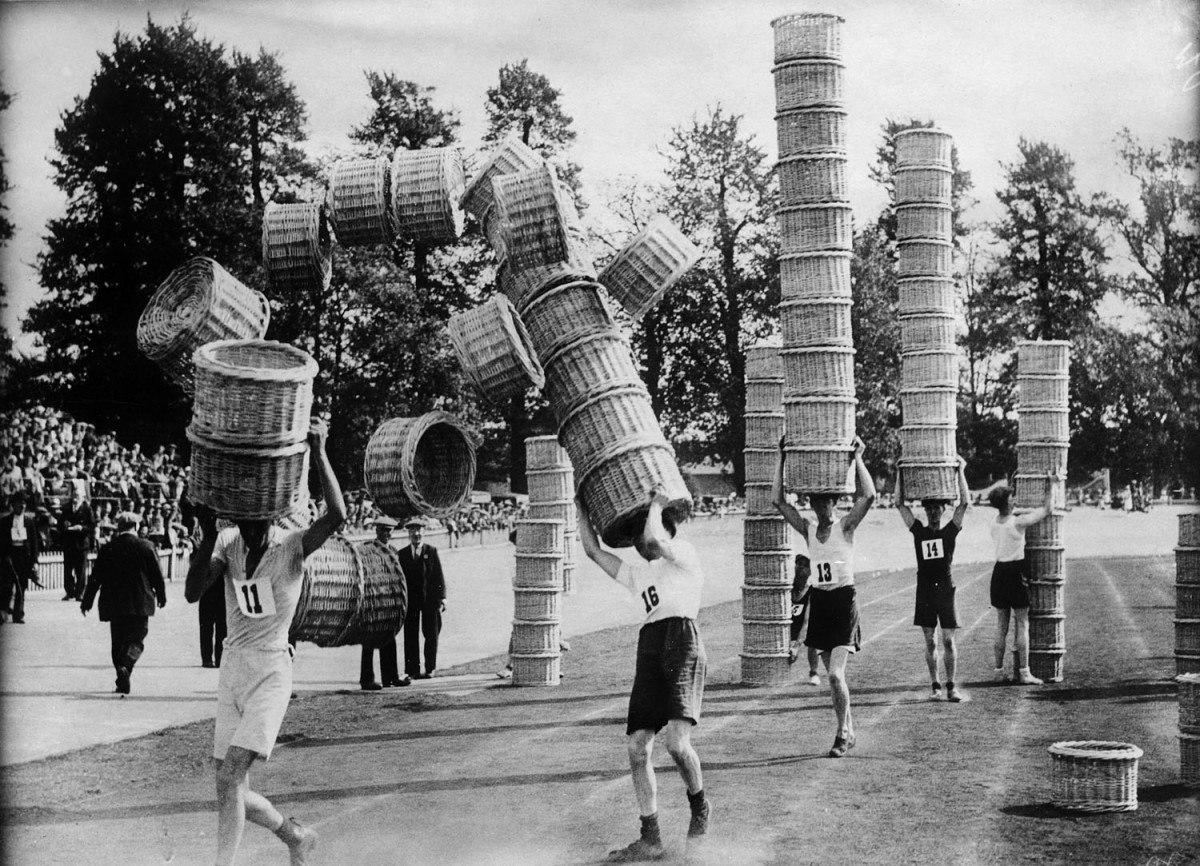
(934, 546)
(19, 545)
(426, 601)
(389, 668)
(75, 526)
(129, 579)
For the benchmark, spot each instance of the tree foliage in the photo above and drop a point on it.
(6, 233)
(876, 327)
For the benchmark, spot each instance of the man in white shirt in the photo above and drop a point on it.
(668, 686)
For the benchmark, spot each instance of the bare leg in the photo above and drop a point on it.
(950, 654)
(931, 659)
(679, 746)
(1022, 640)
(1002, 617)
(835, 666)
(640, 745)
(236, 804)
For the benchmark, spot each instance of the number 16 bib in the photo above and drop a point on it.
(254, 597)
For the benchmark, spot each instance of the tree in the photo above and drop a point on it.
(6, 233)
(876, 327)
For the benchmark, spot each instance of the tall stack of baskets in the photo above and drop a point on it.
(537, 602)
(928, 355)
(767, 542)
(1043, 438)
(815, 241)
(552, 495)
(1187, 595)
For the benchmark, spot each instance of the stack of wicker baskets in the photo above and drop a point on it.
(928, 355)
(537, 607)
(1043, 438)
(422, 465)
(1187, 595)
(815, 241)
(1189, 729)
(767, 541)
(250, 420)
(552, 495)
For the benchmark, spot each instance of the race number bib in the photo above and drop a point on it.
(932, 549)
(254, 597)
(650, 598)
(826, 573)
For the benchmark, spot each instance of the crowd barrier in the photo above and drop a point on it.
(50, 567)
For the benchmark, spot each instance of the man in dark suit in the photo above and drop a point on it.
(389, 668)
(75, 525)
(130, 580)
(426, 601)
(19, 548)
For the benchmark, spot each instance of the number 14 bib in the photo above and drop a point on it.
(254, 597)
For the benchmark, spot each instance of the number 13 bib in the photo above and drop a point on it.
(828, 574)
(254, 597)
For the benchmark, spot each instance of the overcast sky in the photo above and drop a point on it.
(1070, 72)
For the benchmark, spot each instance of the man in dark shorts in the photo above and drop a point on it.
(934, 546)
(668, 686)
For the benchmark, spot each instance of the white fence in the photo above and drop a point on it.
(50, 567)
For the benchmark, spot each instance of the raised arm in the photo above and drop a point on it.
(202, 570)
(901, 506)
(609, 562)
(865, 496)
(655, 535)
(1043, 511)
(964, 494)
(335, 506)
(779, 500)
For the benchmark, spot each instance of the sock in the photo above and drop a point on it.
(696, 801)
(650, 829)
(949, 685)
(935, 684)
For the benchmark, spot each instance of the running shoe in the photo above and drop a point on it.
(637, 851)
(935, 692)
(698, 826)
(840, 746)
(814, 678)
(954, 695)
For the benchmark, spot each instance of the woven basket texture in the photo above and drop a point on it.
(811, 470)
(812, 179)
(1189, 702)
(766, 603)
(536, 669)
(929, 369)
(575, 371)
(809, 131)
(494, 231)
(1043, 425)
(649, 264)
(930, 480)
(541, 536)
(1187, 663)
(1046, 665)
(1029, 491)
(329, 595)
(536, 637)
(1094, 776)
(764, 363)
(758, 499)
(766, 533)
(924, 259)
(495, 350)
(523, 287)
(531, 207)
(562, 509)
(544, 452)
(512, 155)
(927, 295)
(1187, 636)
(1189, 758)
(760, 464)
(256, 393)
(1047, 532)
(924, 222)
(1041, 458)
(764, 396)
(810, 324)
(927, 331)
(1187, 565)
(611, 416)
(1051, 392)
(929, 406)
(297, 247)
(820, 422)
(426, 187)
(384, 598)
(807, 34)
(765, 669)
(1189, 529)
(808, 84)
(922, 184)
(241, 483)
(360, 202)
(766, 636)
(565, 313)
(538, 571)
(818, 372)
(929, 443)
(568, 579)
(550, 484)
(617, 491)
(422, 465)
(923, 147)
(541, 605)
(199, 302)
(764, 430)
(1044, 357)
(1046, 563)
(808, 276)
(1048, 632)
(815, 228)
(1046, 597)
(767, 568)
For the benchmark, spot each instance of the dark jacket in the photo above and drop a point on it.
(423, 574)
(78, 540)
(32, 544)
(128, 572)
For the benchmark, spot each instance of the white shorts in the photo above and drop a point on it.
(253, 692)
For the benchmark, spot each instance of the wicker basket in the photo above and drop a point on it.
(768, 568)
(568, 578)
(1029, 491)
(766, 533)
(617, 491)
(240, 483)
(1187, 636)
(1189, 759)
(758, 499)
(512, 155)
(256, 393)
(811, 131)
(927, 295)
(764, 397)
(924, 222)
(805, 179)
(929, 406)
(297, 247)
(562, 509)
(819, 470)
(764, 430)
(426, 187)
(821, 322)
(925, 259)
(1042, 458)
(925, 146)
(930, 443)
(360, 202)
(815, 228)
(536, 669)
(818, 372)
(384, 598)
(1187, 565)
(544, 452)
(927, 331)
(541, 536)
(1046, 563)
(1046, 664)
(330, 594)
(772, 603)
(1041, 391)
(550, 485)
(1093, 776)
(422, 465)
(1044, 425)
(1048, 631)
(765, 669)
(807, 34)
(538, 571)
(1047, 532)
(808, 84)
(763, 363)
(808, 276)
(766, 636)
(575, 372)
(930, 480)
(1189, 529)
(494, 350)
(820, 422)
(1047, 597)
(535, 637)
(608, 417)
(1043, 357)
(928, 369)
(923, 184)
(565, 313)
(533, 211)
(540, 605)
(199, 302)
(523, 287)
(760, 464)
(652, 261)
(1189, 703)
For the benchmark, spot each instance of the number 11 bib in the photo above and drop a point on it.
(254, 597)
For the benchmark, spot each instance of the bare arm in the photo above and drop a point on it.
(901, 506)
(202, 571)
(1043, 511)
(655, 535)
(335, 506)
(964, 494)
(609, 562)
(789, 512)
(866, 490)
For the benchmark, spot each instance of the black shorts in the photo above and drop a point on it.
(935, 606)
(669, 681)
(833, 619)
(1009, 585)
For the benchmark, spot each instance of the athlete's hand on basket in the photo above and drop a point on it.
(318, 432)
(859, 447)
(659, 495)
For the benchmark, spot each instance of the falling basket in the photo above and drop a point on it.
(807, 34)
(923, 331)
(609, 416)
(565, 313)
(819, 422)
(649, 264)
(768, 568)
(819, 372)
(1043, 357)
(617, 491)
(1043, 391)
(330, 594)
(422, 465)
(930, 480)
(763, 430)
(924, 222)
(384, 598)
(534, 212)
(923, 146)
(360, 202)
(921, 184)
(766, 603)
(764, 396)
(811, 131)
(544, 452)
(815, 227)
(763, 363)
(808, 84)
(575, 371)
(1094, 776)
(1189, 529)
(426, 187)
(812, 179)
(765, 669)
(819, 470)
(927, 295)
(925, 259)
(257, 393)
(240, 483)
(766, 533)
(495, 350)
(297, 247)
(540, 536)
(929, 369)
(512, 155)
(819, 322)
(808, 276)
